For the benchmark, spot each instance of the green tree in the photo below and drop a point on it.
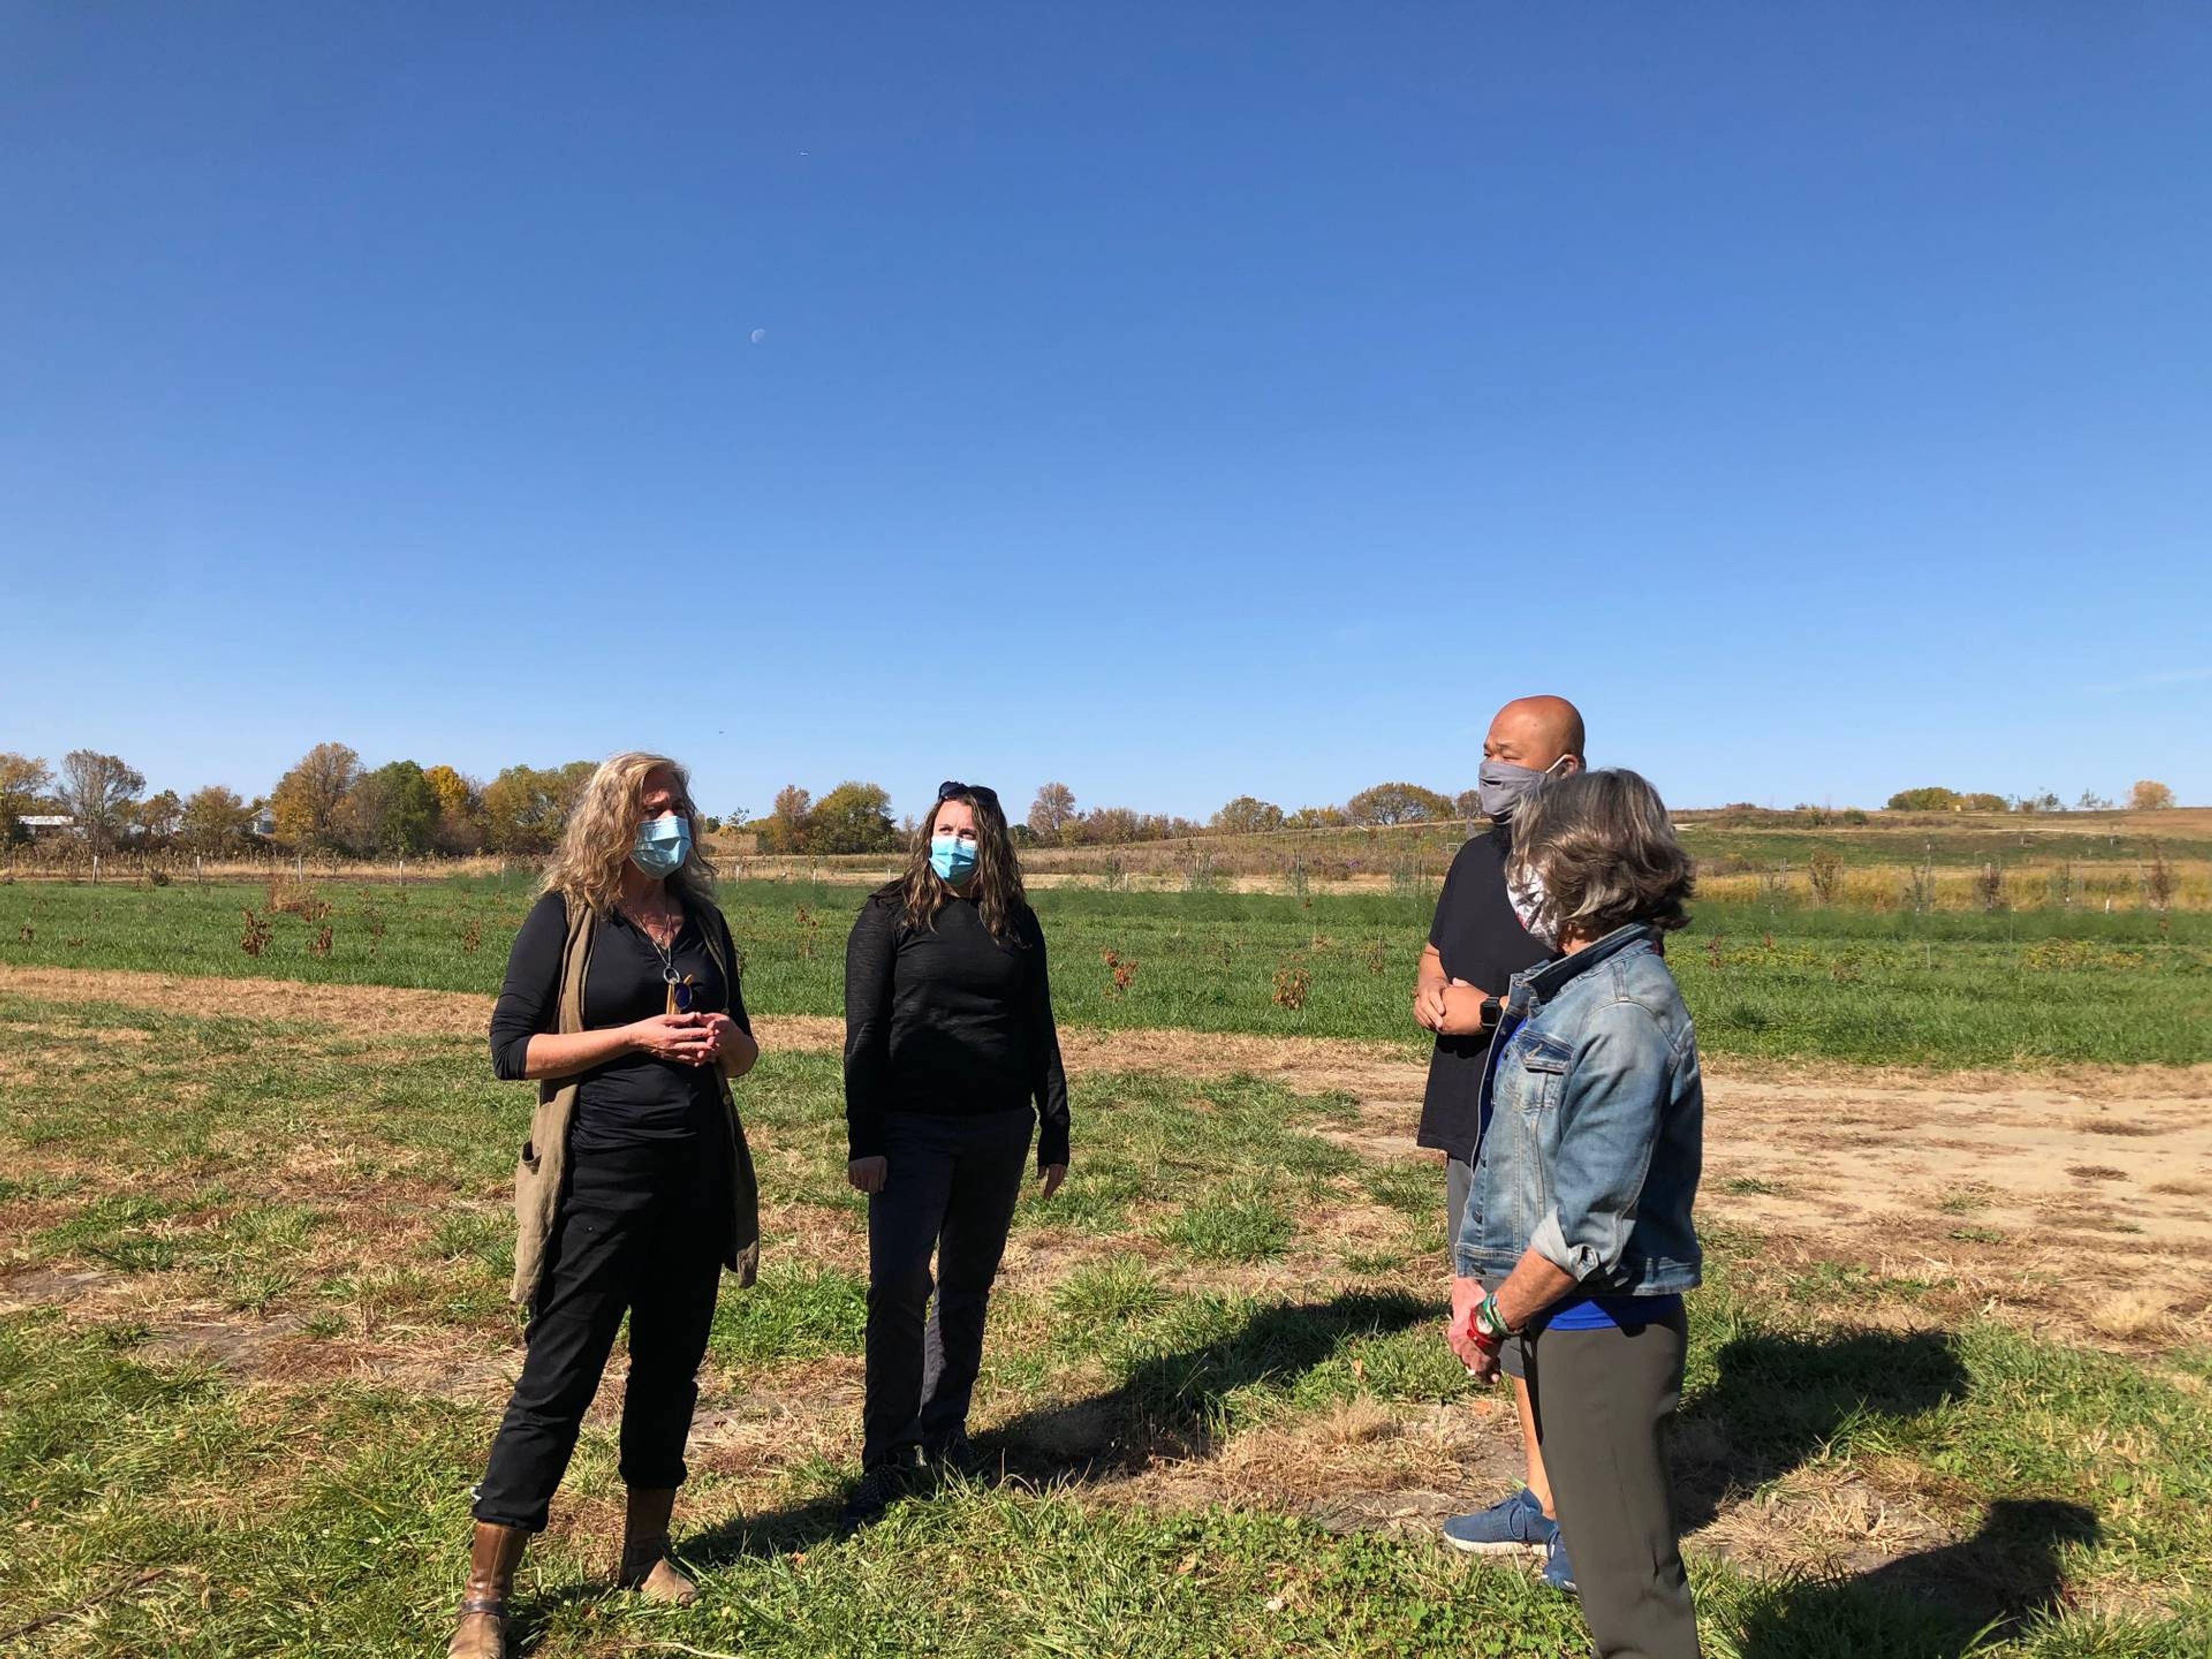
(1315, 817)
(100, 792)
(1981, 801)
(526, 808)
(214, 821)
(308, 801)
(1398, 803)
(853, 818)
(393, 810)
(1932, 798)
(1247, 816)
(24, 779)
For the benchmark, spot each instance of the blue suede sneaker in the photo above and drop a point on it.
(1516, 1523)
(1558, 1572)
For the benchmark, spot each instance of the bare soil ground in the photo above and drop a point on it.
(2089, 1184)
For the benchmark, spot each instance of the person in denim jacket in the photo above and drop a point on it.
(1592, 1134)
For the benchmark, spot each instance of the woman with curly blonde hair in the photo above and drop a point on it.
(635, 1188)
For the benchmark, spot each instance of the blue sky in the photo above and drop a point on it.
(1173, 400)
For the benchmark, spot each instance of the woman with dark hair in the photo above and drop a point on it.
(1593, 1124)
(635, 1189)
(951, 1060)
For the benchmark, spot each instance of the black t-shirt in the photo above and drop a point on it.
(1482, 942)
(632, 1099)
(949, 1021)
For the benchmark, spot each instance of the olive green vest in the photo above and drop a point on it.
(541, 1176)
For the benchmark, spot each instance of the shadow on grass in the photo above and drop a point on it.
(1177, 1402)
(1942, 1603)
(778, 1532)
(1778, 1400)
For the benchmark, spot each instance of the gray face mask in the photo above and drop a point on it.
(1499, 784)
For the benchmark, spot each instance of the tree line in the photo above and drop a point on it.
(2148, 795)
(327, 802)
(330, 802)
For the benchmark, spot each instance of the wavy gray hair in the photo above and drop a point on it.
(1601, 848)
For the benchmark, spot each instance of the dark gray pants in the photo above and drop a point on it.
(1459, 1180)
(951, 1188)
(1604, 1401)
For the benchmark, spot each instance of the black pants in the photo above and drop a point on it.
(951, 1187)
(640, 1229)
(1604, 1401)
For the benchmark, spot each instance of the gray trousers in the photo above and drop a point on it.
(1604, 1401)
(1459, 1180)
(950, 1190)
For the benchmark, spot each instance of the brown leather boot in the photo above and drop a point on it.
(494, 1554)
(645, 1567)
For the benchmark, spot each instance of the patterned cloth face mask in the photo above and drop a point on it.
(1525, 888)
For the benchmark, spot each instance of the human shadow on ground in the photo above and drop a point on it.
(1940, 1603)
(1175, 1402)
(775, 1532)
(1778, 1398)
(1172, 1401)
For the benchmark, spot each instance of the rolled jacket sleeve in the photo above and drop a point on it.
(1613, 1096)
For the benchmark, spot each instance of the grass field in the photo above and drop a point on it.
(254, 1341)
(1951, 1389)
(1778, 980)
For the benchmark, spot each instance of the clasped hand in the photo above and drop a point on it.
(686, 1039)
(1433, 1010)
(1481, 1362)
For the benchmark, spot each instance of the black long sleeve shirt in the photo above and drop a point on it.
(631, 1099)
(1479, 941)
(949, 1021)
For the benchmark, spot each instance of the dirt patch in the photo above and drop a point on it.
(1989, 1184)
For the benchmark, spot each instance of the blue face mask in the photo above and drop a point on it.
(661, 847)
(953, 859)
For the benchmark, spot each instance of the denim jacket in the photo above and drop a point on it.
(1593, 1117)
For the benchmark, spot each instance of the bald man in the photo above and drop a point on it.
(1475, 947)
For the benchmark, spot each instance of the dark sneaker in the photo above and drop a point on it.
(875, 1490)
(1558, 1572)
(1516, 1523)
(957, 1457)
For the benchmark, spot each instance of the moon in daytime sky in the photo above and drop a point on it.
(757, 336)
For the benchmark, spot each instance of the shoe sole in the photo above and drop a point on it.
(1506, 1546)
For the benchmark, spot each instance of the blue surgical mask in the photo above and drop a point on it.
(1499, 785)
(661, 847)
(953, 859)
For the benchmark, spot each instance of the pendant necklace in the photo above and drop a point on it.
(679, 988)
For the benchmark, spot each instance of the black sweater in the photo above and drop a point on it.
(948, 1021)
(632, 1098)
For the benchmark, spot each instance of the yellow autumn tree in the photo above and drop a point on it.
(306, 800)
